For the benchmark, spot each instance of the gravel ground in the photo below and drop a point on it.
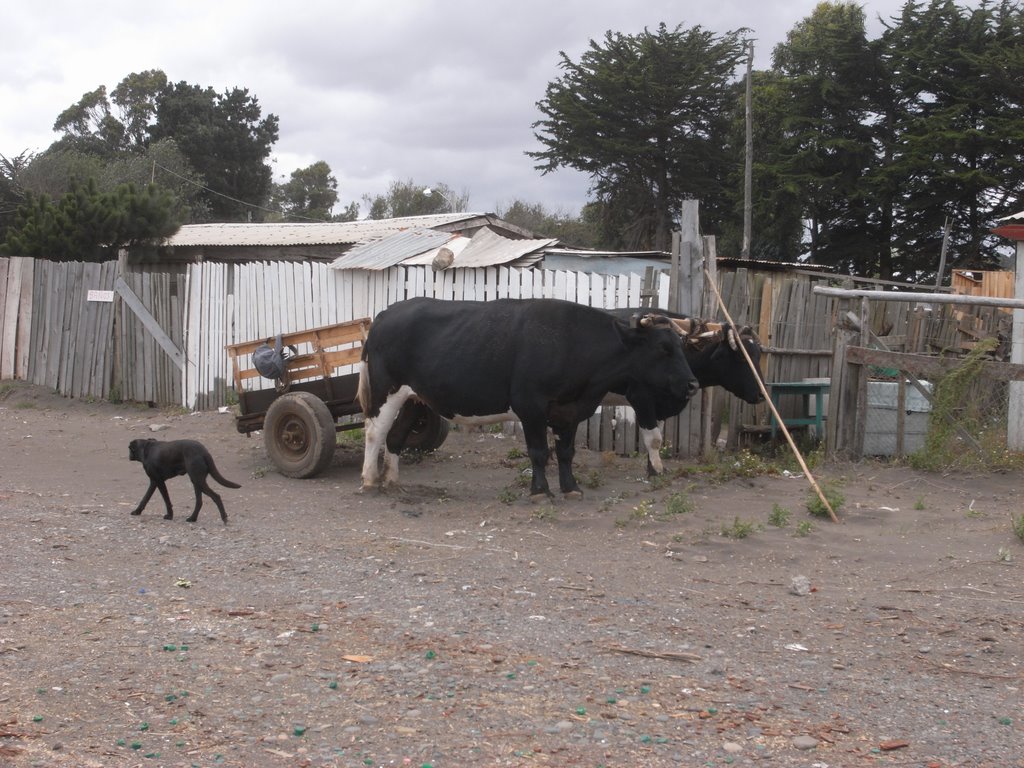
(456, 624)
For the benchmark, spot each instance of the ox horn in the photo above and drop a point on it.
(734, 343)
(683, 327)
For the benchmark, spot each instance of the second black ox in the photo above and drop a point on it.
(547, 361)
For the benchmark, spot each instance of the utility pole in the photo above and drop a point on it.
(748, 165)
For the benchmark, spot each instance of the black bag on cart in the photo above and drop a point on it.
(270, 361)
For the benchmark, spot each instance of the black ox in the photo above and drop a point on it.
(713, 351)
(550, 362)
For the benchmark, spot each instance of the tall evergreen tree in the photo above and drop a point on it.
(828, 70)
(958, 84)
(226, 140)
(645, 116)
(86, 224)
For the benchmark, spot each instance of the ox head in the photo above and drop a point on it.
(660, 377)
(720, 360)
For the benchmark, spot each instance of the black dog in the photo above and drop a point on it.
(163, 461)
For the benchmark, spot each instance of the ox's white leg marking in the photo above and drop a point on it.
(376, 430)
(651, 439)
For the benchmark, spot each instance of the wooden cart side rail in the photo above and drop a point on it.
(322, 360)
(326, 336)
(313, 364)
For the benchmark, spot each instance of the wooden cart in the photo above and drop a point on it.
(298, 414)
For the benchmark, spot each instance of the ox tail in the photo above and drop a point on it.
(364, 393)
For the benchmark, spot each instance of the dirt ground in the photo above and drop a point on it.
(456, 624)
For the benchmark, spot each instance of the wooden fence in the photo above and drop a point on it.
(56, 334)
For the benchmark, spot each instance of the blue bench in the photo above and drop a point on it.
(805, 389)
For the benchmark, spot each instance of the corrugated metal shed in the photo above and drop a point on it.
(489, 249)
(326, 233)
(389, 251)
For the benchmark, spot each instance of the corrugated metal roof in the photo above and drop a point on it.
(456, 245)
(489, 249)
(1013, 217)
(392, 250)
(326, 233)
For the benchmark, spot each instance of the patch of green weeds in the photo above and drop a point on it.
(659, 482)
(804, 528)
(1017, 523)
(1004, 555)
(832, 494)
(740, 529)
(678, 504)
(919, 504)
(779, 516)
(508, 495)
(728, 467)
(592, 479)
(515, 452)
(351, 437)
(545, 512)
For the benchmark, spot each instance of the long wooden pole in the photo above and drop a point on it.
(771, 405)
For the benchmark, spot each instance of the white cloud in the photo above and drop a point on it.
(428, 90)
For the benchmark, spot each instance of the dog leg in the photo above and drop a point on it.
(199, 501)
(145, 499)
(167, 499)
(217, 500)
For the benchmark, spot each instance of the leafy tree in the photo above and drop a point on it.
(777, 225)
(54, 172)
(406, 198)
(572, 231)
(827, 68)
(310, 193)
(86, 224)
(226, 140)
(957, 79)
(646, 116)
(104, 125)
(221, 144)
(12, 192)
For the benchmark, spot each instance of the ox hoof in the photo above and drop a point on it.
(374, 489)
(538, 498)
(574, 495)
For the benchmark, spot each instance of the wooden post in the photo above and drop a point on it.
(1015, 415)
(116, 364)
(687, 297)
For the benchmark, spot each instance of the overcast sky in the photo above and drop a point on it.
(424, 90)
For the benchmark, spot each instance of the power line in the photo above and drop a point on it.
(233, 199)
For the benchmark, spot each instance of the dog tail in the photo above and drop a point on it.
(216, 475)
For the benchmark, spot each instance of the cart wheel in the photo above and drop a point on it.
(299, 434)
(428, 430)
